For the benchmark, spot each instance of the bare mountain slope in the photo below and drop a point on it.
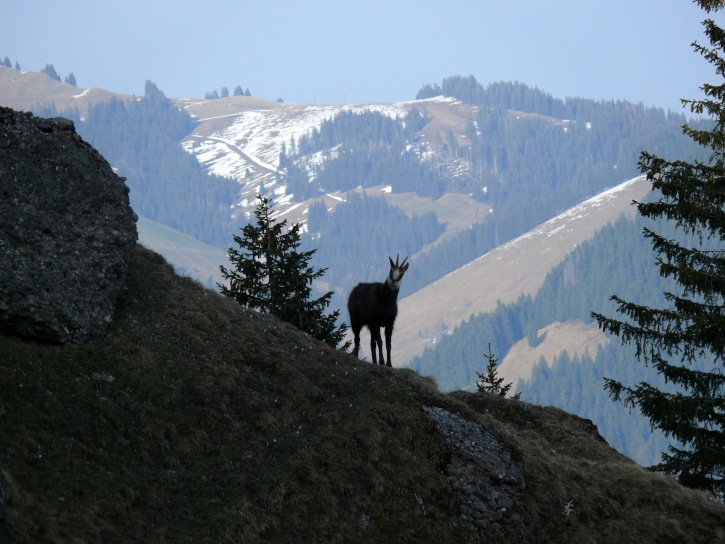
(189, 256)
(509, 271)
(574, 337)
(24, 90)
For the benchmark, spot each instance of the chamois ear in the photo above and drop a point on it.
(392, 265)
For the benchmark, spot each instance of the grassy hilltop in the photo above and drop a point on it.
(194, 420)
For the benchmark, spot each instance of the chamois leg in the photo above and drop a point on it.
(380, 350)
(376, 345)
(388, 340)
(356, 333)
(381, 359)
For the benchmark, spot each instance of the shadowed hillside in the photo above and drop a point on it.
(193, 420)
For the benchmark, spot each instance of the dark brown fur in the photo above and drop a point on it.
(375, 305)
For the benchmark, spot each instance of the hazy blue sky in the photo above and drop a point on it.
(338, 51)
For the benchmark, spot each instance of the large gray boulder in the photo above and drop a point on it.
(66, 232)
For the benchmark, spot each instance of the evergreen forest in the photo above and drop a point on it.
(360, 150)
(530, 157)
(617, 260)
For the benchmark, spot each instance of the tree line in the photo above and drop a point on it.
(224, 93)
(359, 150)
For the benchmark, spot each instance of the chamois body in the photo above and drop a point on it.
(375, 305)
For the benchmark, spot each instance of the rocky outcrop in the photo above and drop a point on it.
(481, 471)
(66, 231)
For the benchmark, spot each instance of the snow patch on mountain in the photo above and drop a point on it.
(565, 221)
(258, 136)
(247, 146)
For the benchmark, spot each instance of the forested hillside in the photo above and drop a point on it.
(533, 155)
(360, 150)
(619, 260)
(576, 385)
(520, 152)
(525, 154)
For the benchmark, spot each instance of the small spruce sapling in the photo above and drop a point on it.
(490, 382)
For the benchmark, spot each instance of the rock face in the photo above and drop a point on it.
(66, 231)
(480, 470)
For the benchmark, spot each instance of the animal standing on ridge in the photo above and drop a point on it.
(375, 305)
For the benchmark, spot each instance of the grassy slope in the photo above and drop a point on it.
(188, 255)
(574, 337)
(25, 90)
(194, 420)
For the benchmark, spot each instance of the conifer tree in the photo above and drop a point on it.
(491, 382)
(49, 71)
(272, 275)
(685, 342)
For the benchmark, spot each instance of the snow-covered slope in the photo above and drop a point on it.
(242, 137)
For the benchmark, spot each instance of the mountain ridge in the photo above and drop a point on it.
(25, 90)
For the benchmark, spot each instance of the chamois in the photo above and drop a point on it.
(375, 305)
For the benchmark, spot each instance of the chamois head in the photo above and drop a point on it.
(396, 272)
(375, 305)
